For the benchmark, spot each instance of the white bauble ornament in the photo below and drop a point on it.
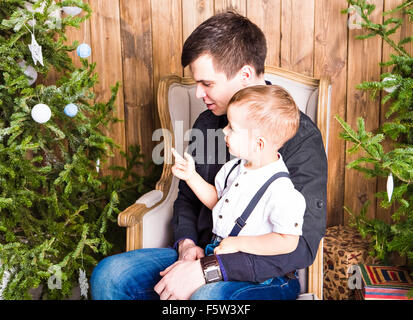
(390, 186)
(29, 71)
(72, 11)
(390, 89)
(83, 50)
(71, 110)
(41, 113)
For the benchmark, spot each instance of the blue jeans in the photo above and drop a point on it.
(132, 276)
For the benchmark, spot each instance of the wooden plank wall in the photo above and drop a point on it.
(139, 41)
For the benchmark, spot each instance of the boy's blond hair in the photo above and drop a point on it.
(271, 108)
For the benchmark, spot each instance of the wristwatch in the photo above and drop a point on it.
(211, 269)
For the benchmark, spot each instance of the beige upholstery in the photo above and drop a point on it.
(148, 220)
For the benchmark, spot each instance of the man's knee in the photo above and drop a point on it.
(211, 291)
(105, 267)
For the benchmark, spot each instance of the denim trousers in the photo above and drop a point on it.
(133, 275)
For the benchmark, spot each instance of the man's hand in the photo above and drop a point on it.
(180, 280)
(188, 250)
(228, 245)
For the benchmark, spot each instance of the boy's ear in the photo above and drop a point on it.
(260, 143)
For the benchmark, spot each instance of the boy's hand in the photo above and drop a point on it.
(183, 169)
(227, 245)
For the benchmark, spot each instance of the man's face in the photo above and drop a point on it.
(213, 87)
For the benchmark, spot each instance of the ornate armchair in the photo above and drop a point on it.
(148, 220)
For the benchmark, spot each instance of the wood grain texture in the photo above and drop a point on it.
(266, 15)
(231, 5)
(330, 59)
(297, 36)
(315, 274)
(167, 41)
(106, 48)
(364, 57)
(136, 35)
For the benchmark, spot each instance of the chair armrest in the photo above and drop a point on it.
(134, 213)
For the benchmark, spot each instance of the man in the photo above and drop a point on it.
(225, 54)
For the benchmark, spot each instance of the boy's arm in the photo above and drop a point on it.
(264, 245)
(184, 169)
(206, 192)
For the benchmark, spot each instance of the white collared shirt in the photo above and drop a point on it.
(281, 208)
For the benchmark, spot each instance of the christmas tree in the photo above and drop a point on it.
(55, 206)
(387, 152)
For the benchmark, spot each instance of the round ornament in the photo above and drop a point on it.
(71, 110)
(72, 11)
(41, 113)
(29, 71)
(83, 50)
(390, 89)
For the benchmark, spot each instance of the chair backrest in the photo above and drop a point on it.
(179, 108)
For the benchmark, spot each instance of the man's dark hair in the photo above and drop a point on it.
(231, 39)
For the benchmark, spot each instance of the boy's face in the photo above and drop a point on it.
(240, 134)
(213, 87)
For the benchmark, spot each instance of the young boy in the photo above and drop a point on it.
(260, 120)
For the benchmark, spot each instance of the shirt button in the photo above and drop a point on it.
(236, 184)
(220, 216)
(226, 200)
(295, 224)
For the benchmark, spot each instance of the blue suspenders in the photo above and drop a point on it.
(241, 220)
(229, 173)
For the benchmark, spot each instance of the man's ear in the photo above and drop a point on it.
(247, 74)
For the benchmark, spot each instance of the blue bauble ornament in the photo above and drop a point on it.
(83, 50)
(71, 110)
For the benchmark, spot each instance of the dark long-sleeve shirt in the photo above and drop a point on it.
(306, 161)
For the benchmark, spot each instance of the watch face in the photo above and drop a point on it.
(213, 275)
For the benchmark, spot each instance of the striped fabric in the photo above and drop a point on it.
(385, 282)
